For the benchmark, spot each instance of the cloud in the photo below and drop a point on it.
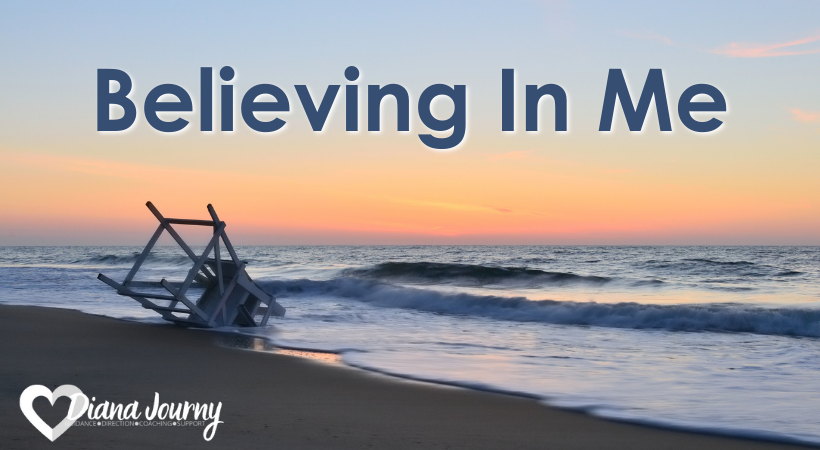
(804, 116)
(452, 206)
(744, 50)
(650, 36)
(519, 154)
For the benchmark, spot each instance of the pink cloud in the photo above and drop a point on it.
(744, 50)
(519, 154)
(803, 116)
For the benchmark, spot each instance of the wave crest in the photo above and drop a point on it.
(706, 317)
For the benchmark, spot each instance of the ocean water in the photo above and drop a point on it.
(715, 339)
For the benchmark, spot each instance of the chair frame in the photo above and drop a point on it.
(235, 302)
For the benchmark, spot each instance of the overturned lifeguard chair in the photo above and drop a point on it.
(230, 297)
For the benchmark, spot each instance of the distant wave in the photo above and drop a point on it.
(469, 274)
(119, 260)
(788, 273)
(705, 317)
(720, 263)
(109, 259)
(715, 268)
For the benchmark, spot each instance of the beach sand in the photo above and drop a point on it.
(271, 400)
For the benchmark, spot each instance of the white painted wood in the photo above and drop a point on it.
(200, 261)
(203, 223)
(181, 297)
(143, 255)
(219, 266)
(171, 231)
(221, 305)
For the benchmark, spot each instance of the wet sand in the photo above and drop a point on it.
(273, 401)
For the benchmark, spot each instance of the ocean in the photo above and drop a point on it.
(712, 339)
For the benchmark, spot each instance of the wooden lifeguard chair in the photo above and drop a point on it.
(230, 296)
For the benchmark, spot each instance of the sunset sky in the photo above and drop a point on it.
(754, 181)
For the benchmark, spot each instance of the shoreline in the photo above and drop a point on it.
(279, 400)
(329, 357)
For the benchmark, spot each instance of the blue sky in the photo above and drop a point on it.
(51, 50)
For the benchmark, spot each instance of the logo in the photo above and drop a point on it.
(79, 404)
(115, 414)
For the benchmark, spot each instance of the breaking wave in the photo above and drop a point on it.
(724, 317)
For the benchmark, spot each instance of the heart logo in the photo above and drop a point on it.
(79, 403)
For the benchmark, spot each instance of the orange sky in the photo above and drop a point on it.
(603, 189)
